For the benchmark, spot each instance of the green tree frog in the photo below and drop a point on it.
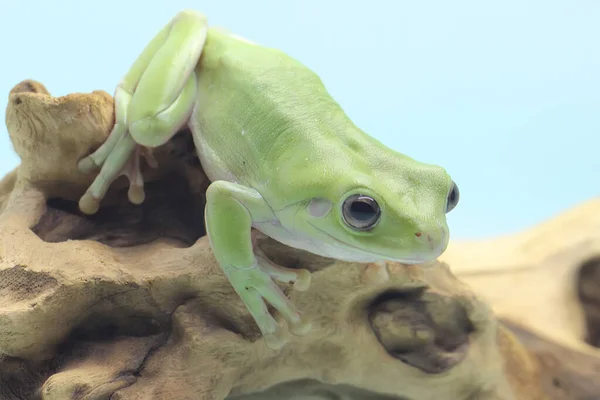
(282, 157)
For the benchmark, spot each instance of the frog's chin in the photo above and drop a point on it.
(424, 258)
(349, 253)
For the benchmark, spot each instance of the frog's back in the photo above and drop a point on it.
(252, 100)
(262, 119)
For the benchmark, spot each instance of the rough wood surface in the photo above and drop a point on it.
(544, 283)
(546, 278)
(130, 304)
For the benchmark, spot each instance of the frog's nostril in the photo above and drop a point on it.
(428, 236)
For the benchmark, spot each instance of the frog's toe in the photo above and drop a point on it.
(87, 165)
(132, 170)
(296, 322)
(255, 304)
(300, 328)
(273, 294)
(136, 194)
(274, 342)
(88, 204)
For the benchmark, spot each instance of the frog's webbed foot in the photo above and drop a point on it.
(114, 160)
(257, 284)
(254, 286)
(301, 281)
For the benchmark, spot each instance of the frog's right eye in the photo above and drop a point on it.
(361, 212)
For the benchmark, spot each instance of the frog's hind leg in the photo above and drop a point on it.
(152, 102)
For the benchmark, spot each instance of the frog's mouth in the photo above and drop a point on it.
(357, 254)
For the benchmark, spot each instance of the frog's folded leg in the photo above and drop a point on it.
(152, 102)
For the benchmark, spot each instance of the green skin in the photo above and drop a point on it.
(282, 156)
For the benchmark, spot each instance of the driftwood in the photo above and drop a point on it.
(130, 304)
(545, 284)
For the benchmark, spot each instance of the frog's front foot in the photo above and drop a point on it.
(231, 209)
(255, 285)
(300, 278)
(119, 155)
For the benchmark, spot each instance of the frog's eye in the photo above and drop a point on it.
(361, 212)
(453, 197)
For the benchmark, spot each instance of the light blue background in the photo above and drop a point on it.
(504, 94)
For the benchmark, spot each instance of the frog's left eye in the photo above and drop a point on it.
(361, 212)
(453, 197)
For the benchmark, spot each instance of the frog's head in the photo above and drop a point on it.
(389, 215)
